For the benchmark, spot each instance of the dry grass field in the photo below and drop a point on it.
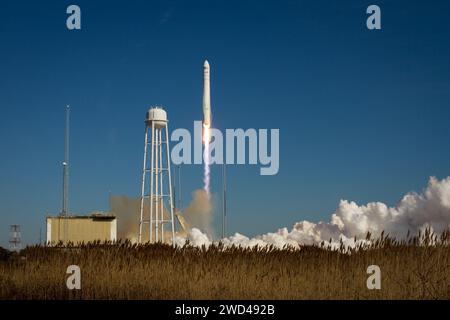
(411, 269)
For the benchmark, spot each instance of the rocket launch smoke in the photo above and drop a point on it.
(414, 212)
(198, 214)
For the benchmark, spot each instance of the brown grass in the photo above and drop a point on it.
(418, 268)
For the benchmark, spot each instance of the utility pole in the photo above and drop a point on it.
(65, 199)
(180, 196)
(224, 201)
(65, 196)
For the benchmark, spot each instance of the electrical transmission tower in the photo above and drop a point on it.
(14, 237)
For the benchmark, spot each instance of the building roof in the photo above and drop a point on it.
(95, 216)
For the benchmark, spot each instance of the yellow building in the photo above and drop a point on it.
(77, 229)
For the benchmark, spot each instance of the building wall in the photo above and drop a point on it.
(80, 229)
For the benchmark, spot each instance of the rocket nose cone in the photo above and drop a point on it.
(206, 64)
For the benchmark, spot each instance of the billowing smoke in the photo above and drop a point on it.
(414, 212)
(127, 210)
(199, 212)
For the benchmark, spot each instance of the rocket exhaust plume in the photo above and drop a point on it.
(206, 159)
(206, 124)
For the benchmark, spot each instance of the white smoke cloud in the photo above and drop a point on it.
(414, 212)
(198, 238)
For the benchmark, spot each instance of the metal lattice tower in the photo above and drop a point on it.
(156, 209)
(14, 237)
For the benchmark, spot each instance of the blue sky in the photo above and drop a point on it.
(363, 115)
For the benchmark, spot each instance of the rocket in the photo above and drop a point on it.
(206, 96)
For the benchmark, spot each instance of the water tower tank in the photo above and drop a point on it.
(157, 115)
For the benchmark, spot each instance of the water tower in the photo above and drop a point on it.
(156, 208)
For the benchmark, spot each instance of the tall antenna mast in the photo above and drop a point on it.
(65, 199)
(180, 195)
(224, 200)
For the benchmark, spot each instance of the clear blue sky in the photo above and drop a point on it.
(363, 115)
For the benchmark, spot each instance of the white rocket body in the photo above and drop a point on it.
(206, 96)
